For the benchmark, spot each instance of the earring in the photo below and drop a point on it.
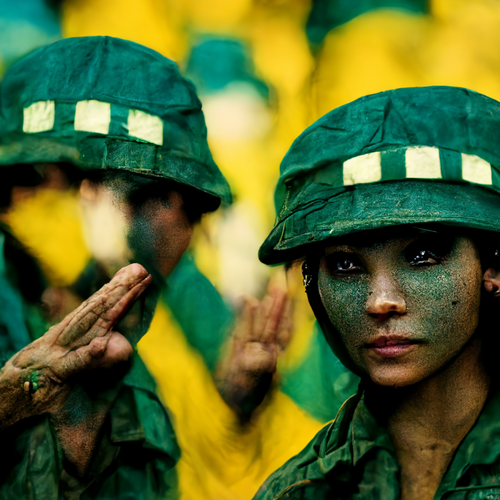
(307, 278)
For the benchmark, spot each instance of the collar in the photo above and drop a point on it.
(355, 432)
(138, 414)
(481, 446)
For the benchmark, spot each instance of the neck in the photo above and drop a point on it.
(428, 420)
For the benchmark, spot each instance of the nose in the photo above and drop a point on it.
(385, 299)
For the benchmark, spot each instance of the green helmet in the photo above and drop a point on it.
(405, 156)
(107, 103)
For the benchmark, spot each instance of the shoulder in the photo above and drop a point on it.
(304, 472)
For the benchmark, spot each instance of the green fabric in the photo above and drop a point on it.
(135, 458)
(203, 316)
(218, 62)
(319, 384)
(138, 450)
(26, 26)
(320, 196)
(126, 76)
(20, 318)
(354, 458)
(327, 14)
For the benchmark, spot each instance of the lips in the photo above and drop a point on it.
(389, 346)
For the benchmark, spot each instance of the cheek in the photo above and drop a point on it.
(443, 302)
(345, 303)
(173, 235)
(161, 236)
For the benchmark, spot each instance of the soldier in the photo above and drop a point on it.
(392, 204)
(80, 423)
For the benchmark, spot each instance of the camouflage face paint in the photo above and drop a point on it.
(403, 306)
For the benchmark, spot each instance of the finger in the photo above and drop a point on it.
(125, 276)
(245, 321)
(108, 319)
(270, 330)
(101, 352)
(262, 316)
(80, 359)
(109, 293)
(118, 350)
(285, 328)
(100, 316)
(108, 304)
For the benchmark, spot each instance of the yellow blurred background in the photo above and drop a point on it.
(264, 71)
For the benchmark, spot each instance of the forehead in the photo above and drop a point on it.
(377, 237)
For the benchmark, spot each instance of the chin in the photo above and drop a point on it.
(395, 376)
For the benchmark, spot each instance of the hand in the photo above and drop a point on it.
(32, 382)
(261, 332)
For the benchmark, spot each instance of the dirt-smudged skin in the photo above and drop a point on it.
(407, 310)
(435, 305)
(33, 381)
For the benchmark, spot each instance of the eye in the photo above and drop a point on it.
(427, 253)
(425, 258)
(343, 263)
(428, 250)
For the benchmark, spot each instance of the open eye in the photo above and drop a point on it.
(428, 251)
(343, 263)
(425, 258)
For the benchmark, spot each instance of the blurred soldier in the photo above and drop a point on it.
(119, 115)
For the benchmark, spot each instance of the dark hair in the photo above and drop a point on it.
(16, 175)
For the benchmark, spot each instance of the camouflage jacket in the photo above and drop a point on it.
(137, 451)
(353, 458)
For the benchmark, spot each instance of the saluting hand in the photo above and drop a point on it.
(262, 330)
(33, 381)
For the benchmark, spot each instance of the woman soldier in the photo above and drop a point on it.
(392, 203)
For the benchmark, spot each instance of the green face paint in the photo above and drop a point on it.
(403, 306)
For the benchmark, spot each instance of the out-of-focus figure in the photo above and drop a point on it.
(78, 425)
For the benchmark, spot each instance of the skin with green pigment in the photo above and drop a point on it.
(423, 289)
(73, 372)
(32, 382)
(388, 287)
(160, 230)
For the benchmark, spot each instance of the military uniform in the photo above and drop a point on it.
(99, 103)
(354, 458)
(138, 451)
(405, 156)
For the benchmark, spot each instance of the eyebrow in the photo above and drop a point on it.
(340, 248)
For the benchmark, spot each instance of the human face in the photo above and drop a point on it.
(136, 219)
(160, 231)
(404, 304)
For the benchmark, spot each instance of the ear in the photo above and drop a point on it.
(491, 280)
